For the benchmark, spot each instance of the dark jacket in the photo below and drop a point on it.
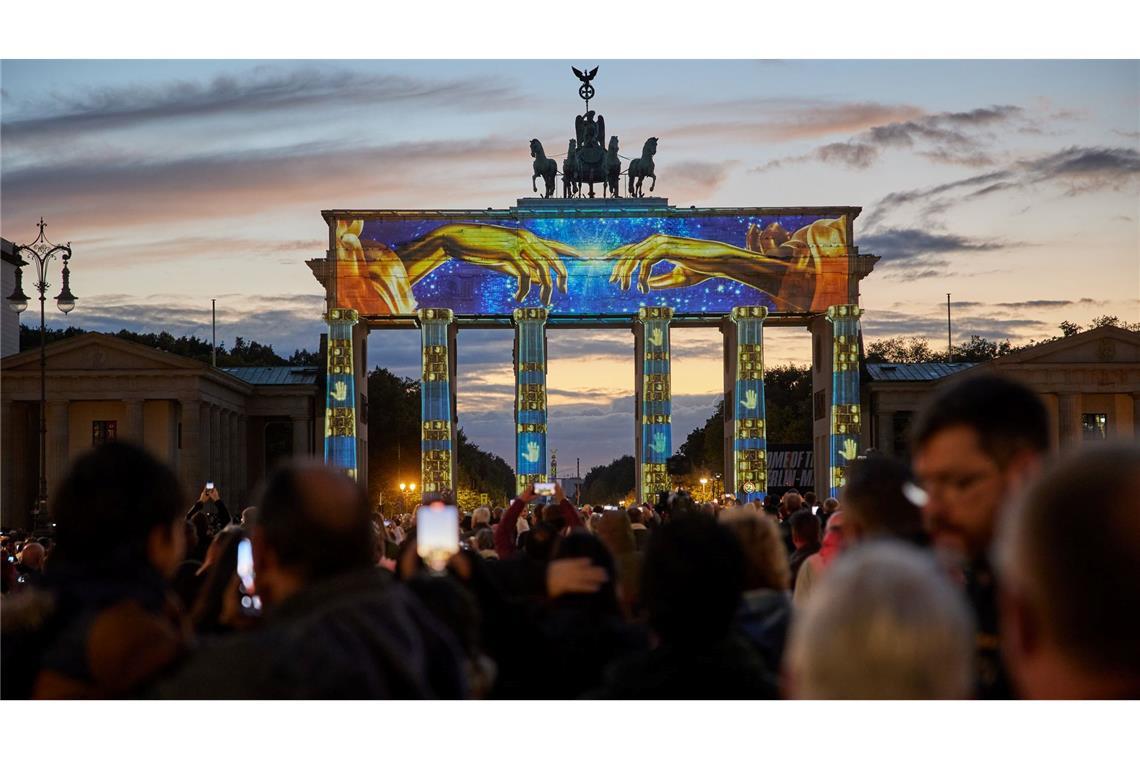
(763, 619)
(796, 559)
(727, 669)
(85, 637)
(357, 636)
(981, 590)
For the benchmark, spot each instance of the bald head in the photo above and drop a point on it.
(33, 556)
(316, 521)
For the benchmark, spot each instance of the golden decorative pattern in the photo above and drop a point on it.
(747, 429)
(749, 312)
(846, 419)
(435, 363)
(657, 387)
(340, 420)
(531, 427)
(647, 313)
(750, 361)
(532, 397)
(656, 419)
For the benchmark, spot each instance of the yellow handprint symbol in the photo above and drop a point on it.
(339, 391)
(750, 400)
(850, 450)
(656, 337)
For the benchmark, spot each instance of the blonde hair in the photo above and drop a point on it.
(765, 557)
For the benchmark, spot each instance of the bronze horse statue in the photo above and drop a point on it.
(613, 170)
(570, 186)
(640, 168)
(544, 167)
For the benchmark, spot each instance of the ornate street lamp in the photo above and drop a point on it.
(42, 251)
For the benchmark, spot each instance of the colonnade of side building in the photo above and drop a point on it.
(835, 373)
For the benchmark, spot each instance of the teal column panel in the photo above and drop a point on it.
(437, 438)
(340, 398)
(845, 416)
(655, 405)
(530, 396)
(750, 441)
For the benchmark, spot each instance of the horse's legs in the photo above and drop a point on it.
(654, 183)
(533, 186)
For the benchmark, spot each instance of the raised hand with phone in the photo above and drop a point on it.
(506, 531)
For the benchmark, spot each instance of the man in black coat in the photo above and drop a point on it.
(335, 626)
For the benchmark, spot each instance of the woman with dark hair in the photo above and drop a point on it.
(584, 632)
(105, 623)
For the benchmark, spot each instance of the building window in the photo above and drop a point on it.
(103, 431)
(819, 402)
(900, 433)
(1094, 426)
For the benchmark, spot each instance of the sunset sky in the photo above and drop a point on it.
(1013, 185)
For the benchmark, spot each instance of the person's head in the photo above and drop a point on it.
(766, 560)
(884, 623)
(32, 557)
(635, 516)
(830, 505)
(975, 445)
(790, 503)
(1070, 579)
(809, 499)
(484, 539)
(550, 513)
(834, 537)
(118, 510)
(248, 517)
(771, 506)
(692, 581)
(312, 523)
(496, 515)
(877, 500)
(805, 528)
(579, 543)
(481, 516)
(594, 522)
(201, 525)
(616, 532)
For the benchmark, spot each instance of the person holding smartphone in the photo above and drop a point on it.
(210, 502)
(506, 531)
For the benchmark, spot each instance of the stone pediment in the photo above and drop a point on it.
(99, 353)
(1104, 345)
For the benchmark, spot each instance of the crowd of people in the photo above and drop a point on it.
(982, 567)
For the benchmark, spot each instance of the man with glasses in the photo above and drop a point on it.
(975, 447)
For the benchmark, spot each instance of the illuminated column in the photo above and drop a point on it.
(654, 439)
(530, 396)
(749, 440)
(845, 417)
(340, 401)
(437, 413)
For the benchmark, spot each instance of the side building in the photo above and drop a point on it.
(1089, 383)
(225, 425)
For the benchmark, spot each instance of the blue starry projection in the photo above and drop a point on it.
(588, 265)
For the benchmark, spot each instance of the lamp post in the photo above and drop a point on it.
(42, 251)
(406, 488)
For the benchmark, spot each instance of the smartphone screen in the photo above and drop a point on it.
(250, 602)
(437, 534)
(210, 485)
(544, 489)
